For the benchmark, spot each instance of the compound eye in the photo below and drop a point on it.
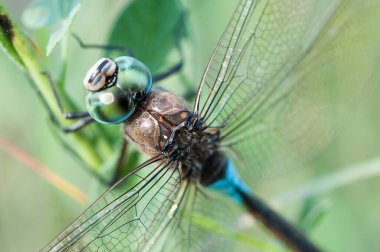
(133, 76)
(101, 75)
(110, 106)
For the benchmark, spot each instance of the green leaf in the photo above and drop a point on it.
(312, 213)
(148, 27)
(56, 16)
(6, 37)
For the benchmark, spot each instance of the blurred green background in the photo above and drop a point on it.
(32, 211)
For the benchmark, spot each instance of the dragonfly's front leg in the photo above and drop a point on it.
(178, 29)
(127, 51)
(82, 118)
(123, 49)
(172, 70)
(120, 163)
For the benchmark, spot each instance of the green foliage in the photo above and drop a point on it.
(312, 213)
(55, 16)
(148, 27)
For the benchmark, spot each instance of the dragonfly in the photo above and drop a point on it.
(262, 98)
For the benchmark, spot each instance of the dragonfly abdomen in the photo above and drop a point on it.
(229, 183)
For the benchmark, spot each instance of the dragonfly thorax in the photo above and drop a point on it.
(163, 125)
(155, 122)
(199, 155)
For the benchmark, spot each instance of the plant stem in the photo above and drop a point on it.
(21, 49)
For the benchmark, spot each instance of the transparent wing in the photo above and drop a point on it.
(204, 221)
(152, 209)
(261, 37)
(281, 83)
(127, 215)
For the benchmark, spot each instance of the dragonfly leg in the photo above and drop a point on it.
(177, 67)
(174, 69)
(178, 29)
(177, 41)
(122, 49)
(79, 124)
(120, 163)
(82, 118)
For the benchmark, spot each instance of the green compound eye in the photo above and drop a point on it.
(133, 75)
(110, 106)
(115, 87)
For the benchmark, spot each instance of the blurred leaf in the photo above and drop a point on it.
(54, 15)
(312, 213)
(6, 37)
(335, 180)
(148, 27)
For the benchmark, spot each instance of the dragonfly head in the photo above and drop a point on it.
(115, 88)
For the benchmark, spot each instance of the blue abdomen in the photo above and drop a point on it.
(230, 183)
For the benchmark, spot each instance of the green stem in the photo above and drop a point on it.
(20, 49)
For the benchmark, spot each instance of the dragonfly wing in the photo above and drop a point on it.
(261, 42)
(260, 38)
(126, 216)
(204, 221)
(300, 115)
(276, 82)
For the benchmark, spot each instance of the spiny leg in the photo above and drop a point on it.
(178, 66)
(42, 99)
(122, 49)
(56, 123)
(160, 76)
(120, 162)
(163, 75)
(83, 118)
(190, 93)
